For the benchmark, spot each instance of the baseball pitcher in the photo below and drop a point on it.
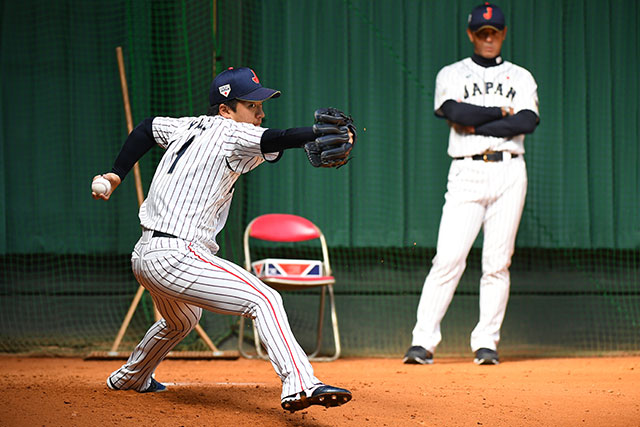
(186, 208)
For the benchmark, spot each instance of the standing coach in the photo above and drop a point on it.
(489, 104)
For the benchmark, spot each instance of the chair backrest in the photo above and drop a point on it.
(277, 227)
(283, 228)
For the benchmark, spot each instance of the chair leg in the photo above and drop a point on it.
(336, 331)
(260, 354)
(334, 323)
(320, 324)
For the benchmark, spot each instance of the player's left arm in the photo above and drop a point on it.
(275, 140)
(466, 114)
(278, 140)
(334, 135)
(523, 122)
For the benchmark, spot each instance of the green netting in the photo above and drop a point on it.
(65, 281)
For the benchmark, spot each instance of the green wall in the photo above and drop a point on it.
(63, 121)
(65, 278)
(378, 60)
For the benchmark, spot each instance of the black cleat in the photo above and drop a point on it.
(154, 387)
(417, 355)
(486, 356)
(320, 394)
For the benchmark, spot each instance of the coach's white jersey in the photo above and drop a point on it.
(192, 187)
(504, 85)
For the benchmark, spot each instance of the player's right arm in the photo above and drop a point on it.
(139, 141)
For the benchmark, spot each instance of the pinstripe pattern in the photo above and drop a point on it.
(189, 198)
(480, 195)
(192, 188)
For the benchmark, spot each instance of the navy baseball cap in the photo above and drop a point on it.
(486, 15)
(239, 83)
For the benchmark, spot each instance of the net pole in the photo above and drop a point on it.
(126, 321)
(127, 112)
(129, 118)
(140, 194)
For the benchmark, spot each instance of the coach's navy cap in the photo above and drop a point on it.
(241, 84)
(486, 15)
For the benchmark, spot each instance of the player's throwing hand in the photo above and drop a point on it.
(102, 186)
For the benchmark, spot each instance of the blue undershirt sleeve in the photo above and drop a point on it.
(523, 122)
(139, 141)
(274, 140)
(278, 140)
(468, 114)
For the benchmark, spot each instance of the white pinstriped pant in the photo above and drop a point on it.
(183, 278)
(490, 195)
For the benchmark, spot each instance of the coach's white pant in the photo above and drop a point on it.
(183, 278)
(489, 195)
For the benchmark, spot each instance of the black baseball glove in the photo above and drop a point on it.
(331, 148)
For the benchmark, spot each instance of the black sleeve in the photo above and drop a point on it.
(139, 141)
(274, 140)
(523, 122)
(468, 114)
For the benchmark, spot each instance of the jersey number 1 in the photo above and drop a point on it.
(180, 153)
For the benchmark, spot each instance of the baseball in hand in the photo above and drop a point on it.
(101, 186)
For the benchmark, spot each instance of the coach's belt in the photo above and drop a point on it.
(161, 234)
(489, 156)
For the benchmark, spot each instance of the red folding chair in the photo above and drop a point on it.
(291, 228)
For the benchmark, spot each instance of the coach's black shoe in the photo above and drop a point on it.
(154, 387)
(319, 394)
(417, 355)
(486, 356)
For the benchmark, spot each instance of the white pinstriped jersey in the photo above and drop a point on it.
(192, 187)
(504, 85)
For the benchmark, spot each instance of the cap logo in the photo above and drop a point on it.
(488, 14)
(254, 78)
(224, 90)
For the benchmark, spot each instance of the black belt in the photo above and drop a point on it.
(161, 234)
(492, 156)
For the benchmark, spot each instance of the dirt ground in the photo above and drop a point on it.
(451, 392)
